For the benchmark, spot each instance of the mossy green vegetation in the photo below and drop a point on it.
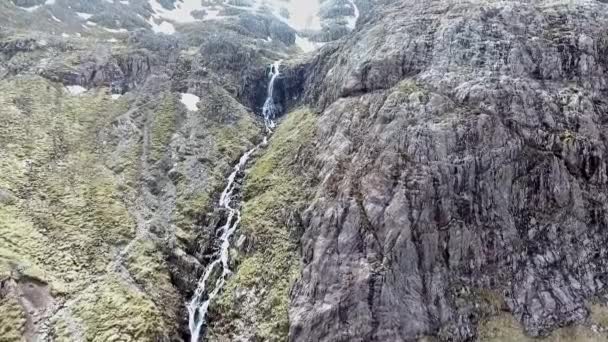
(226, 143)
(228, 138)
(111, 311)
(505, 328)
(499, 325)
(68, 218)
(163, 125)
(599, 314)
(12, 324)
(147, 266)
(274, 190)
(408, 86)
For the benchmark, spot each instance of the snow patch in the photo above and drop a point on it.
(76, 89)
(30, 9)
(84, 16)
(212, 14)
(182, 12)
(306, 44)
(164, 27)
(124, 2)
(65, 35)
(115, 96)
(55, 18)
(190, 101)
(303, 15)
(122, 30)
(90, 23)
(49, 2)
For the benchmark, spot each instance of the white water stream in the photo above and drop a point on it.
(270, 109)
(199, 304)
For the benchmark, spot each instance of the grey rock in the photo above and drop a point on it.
(6, 197)
(458, 144)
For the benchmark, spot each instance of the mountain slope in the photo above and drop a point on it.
(438, 173)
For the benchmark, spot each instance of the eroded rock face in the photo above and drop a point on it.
(461, 147)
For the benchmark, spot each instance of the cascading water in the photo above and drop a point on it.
(198, 305)
(270, 109)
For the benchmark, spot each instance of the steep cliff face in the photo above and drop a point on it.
(461, 153)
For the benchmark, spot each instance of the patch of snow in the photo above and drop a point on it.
(112, 40)
(90, 23)
(212, 14)
(303, 15)
(43, 42)
(65, 35)
(84, 16)
(115, 96)
(110, 1)
(122, 30)
(55, 18)
(269, 39)
(30, 9)
(49, 2)
(164, 27)
(76, 90)
(306, 44)
(124, 2)
(190, 101)
(78, 34)
(182, 12)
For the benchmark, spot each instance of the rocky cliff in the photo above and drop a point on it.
(437, 174)
(462, 176)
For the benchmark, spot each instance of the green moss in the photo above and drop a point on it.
(163, 126)
(229, 138)
(113, 311)
(274, 188)
(599, 314)
(147, 266)
(568, 137)
(227, 142)
(504, 328)
(69, 218)
(12, 324)
(408, 87)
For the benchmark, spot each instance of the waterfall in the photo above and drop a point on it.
(197, 308)
(352, 22)
(270, 109)
(219, 267)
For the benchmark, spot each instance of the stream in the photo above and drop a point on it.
(219, 266)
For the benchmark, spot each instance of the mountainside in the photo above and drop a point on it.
(340, 170)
